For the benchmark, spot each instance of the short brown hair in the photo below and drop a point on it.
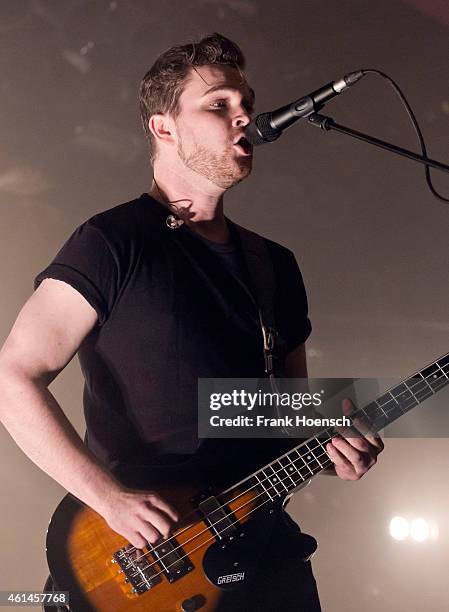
(162, 86)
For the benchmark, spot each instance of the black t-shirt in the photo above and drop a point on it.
(169, 312)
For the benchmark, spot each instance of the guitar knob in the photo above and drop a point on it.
(188, 605)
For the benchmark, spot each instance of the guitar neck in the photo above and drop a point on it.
(278, 478)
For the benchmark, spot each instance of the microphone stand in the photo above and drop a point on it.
(327, 124)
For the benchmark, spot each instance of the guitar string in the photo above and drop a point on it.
(273, 487)
(226, 516)
(379, 405)
(267, 478)
(260, 481)
(190, 552)
(154, 549)
(266, 490)
(186, 554)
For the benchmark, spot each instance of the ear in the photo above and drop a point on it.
(161, 126)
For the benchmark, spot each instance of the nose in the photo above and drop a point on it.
(242, 119)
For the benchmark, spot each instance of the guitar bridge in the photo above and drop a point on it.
(139, 570)
(143, 571)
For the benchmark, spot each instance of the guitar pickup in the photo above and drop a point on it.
(172, 559)
(221, 522)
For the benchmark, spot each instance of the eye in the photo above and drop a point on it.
(218, 104)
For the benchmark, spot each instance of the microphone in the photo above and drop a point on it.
(267, 127)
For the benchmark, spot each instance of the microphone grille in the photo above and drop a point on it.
(260, 130)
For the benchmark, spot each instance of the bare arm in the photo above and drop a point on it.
(46, 335)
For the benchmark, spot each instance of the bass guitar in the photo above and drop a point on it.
(211, 550)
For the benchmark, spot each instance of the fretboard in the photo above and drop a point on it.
(309, 458)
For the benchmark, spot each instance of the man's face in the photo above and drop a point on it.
(215, 106)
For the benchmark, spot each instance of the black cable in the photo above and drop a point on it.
(415, 125)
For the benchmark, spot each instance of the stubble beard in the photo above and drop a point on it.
(223, 169)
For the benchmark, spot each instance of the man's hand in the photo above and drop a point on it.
(353, 457)
(139, 516)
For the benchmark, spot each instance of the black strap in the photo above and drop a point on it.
(260, 267)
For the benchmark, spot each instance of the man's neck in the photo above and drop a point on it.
(197, 202)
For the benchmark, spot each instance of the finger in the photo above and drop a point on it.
(347, 406)
(375, 441)
(158, 520)
(159, 503)
(359, 460)
(343, 467)
(363, 445)
(359, 433)
(149, 533)
(137, 540)
(361, 422)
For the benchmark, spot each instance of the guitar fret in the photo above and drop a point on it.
(309, 459)
(444, 361)
(444, 382)
(322, 456)
(366, 418)
(325, 453)
(438, 382)
(421, 389)
(273, 480)
(288, 468)
(444, 373)
(404, 395)
(296, 471)
(263, 486)
(405, 402)
(315, 458)
(303, 466)
(385, 415)
(430, 371)
(435, 375)
(312, 444)
(416, 399)
(372, 408)
(283, 474)
(426, 382)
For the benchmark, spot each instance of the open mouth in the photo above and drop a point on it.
(243, 146)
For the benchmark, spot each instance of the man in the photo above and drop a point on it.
(154, 294)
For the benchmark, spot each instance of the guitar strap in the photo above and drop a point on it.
(261, 271)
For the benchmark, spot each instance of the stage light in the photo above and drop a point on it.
(419, 529)
(399, 528)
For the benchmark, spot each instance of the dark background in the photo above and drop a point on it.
(370, 239)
